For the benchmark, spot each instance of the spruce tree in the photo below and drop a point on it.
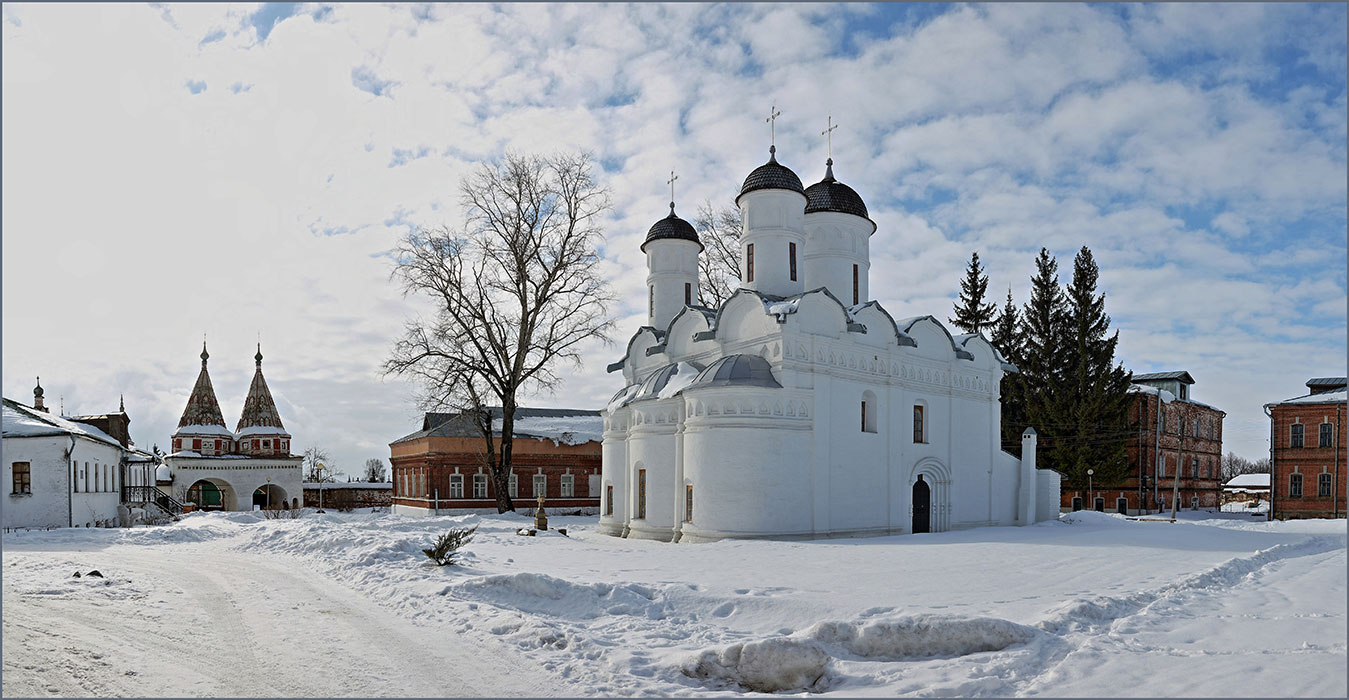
(1007, 340)
(972, 314)
(1096, 404)
(1040, 387)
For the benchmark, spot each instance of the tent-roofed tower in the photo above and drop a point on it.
(259, 431)
(202, 427)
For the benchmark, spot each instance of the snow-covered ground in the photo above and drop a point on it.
(346, 605)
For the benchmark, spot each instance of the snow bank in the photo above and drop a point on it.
(767, 666)
(920, 636)
(547, 595)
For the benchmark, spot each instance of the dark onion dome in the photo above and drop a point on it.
(737, 370)
(672, 227)
(771, 176)
(831, 195)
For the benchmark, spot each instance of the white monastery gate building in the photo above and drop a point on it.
(216, 468)
(800, 408)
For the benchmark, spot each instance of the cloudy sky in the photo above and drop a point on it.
(242, 171)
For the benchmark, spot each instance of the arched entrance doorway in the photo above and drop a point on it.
(208, 494)
(269, 497)
(922, 506)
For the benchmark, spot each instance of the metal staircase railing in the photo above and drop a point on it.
(154, 496)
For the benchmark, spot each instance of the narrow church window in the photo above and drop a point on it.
(855, 300)
(22, 478)
(513, 486)
(456, 486)
(791, 258)
(868, 412)
(196, 444)
(749, 262)
(641, 493)
(540, 485)
(568, 485)
(918, 424)
(688, 293)
(480, 486)
(651, 299)
(609, 499)
(688, 503)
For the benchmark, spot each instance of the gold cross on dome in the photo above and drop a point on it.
(670, 182)
(829, 134)
(773, 114)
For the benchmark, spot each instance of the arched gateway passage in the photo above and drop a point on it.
(270, 497)
(211, 494)
(922, 506)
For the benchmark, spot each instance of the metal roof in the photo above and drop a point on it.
(1180, 375)
(672, 227)
(462, 424)
(771, 176)
(737, 370)
(831, 195)
(1326, 382)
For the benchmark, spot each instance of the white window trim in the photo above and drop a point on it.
(456, 482)
(480, 479)
(568, 486)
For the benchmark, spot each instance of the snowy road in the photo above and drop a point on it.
(192, 620)
(345, 605)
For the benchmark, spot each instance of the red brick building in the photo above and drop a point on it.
(1307, 452)
(1176, 435)
(441, 468)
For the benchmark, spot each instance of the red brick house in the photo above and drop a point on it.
(441, 468)
(1307, 452)
(1175, 434)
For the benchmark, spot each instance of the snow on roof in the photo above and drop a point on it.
(21, 421)
(623, 396)
(568, 430)
(1248, 480)
(1167, 397)
(1323, 397)
(198, 455)
(203, 430)
(261, 430)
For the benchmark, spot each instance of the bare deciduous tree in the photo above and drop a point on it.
(516, 290)
(1234, 465)
(315, 457)
(374, 470)
(719, 230)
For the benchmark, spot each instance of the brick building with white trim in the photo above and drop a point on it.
(1307, 452)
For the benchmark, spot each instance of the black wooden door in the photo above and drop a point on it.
(922, 506)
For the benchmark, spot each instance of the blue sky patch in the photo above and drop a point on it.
(364, 79)
(196, 86)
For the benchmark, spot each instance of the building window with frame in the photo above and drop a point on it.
(196, 444)
(513, 486)
(1196, 428)
(1323, 486)
(23, 477)
(641, 493)
(540, 485)
(855, 295)
(1194, 468)
(608, 499)
(1326, 435)
(566, 486)
(918, 434)
(791, 259)
(749, 262)
(868, 412)
(1295, 485)
(688, 503)
(480, 486)
(1295, 435)
(456, 486)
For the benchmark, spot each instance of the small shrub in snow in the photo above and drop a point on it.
(448, 544)
(281, 514)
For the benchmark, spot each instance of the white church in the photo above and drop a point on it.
(800, 408)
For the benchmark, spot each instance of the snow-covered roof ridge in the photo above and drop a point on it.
(1323, 397)
(1249, 480)
(1167, 397)
(567, 425)
(23, 421)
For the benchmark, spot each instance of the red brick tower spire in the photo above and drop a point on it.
(259, 430)
(202, 427)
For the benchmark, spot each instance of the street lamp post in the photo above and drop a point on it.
(1089, 493)
(318, 472)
